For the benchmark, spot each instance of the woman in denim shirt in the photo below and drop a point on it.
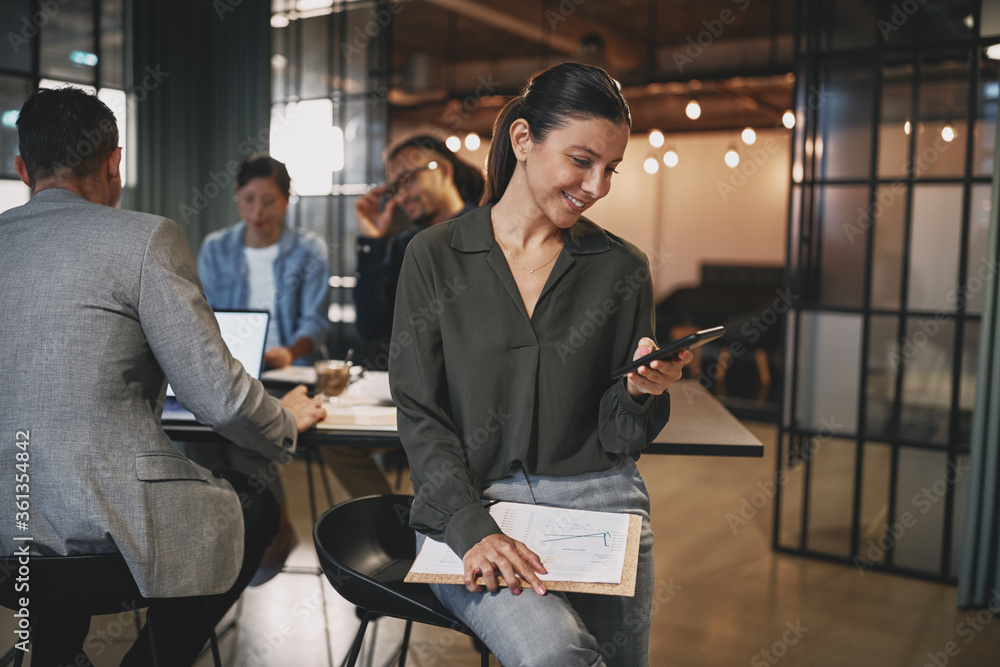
(262, 264)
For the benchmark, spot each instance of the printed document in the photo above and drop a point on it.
(574, 545)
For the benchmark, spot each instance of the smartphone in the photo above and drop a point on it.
(671, 349)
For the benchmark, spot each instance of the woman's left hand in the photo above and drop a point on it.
(657, 377)
(278, 357)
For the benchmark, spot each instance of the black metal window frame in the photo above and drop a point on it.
(795, 443)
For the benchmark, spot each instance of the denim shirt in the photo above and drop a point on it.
(301, 281)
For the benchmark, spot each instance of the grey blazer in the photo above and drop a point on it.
(97, 306)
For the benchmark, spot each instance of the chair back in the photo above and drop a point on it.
(366, 547)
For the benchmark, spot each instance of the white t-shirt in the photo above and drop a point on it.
(260, 281)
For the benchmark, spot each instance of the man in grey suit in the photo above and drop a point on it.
(99, 308)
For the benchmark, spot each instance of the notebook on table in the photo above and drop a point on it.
(244, 332)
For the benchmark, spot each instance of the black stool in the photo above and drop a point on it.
(366, 547)
(93, 585)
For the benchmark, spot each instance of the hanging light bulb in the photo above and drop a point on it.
(788, 119)
(906, 128)
(651, 165)
(472, 141)
(453, 143)
(670, 158)
(732, 158)
(655, 138)
(693, 110)
(748, 136)
(948, 132)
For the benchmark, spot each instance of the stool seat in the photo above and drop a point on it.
(366, 547)
(90, 585)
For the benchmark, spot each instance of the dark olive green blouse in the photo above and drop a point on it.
(480, 387)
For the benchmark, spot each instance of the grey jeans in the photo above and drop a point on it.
(559, 629)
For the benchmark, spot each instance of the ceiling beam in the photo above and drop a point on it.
(564, 35)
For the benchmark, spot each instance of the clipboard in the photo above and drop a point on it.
(626, 588)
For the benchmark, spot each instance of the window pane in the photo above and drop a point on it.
(895, 124)
(280, 64)
(934, 247)
(926, 401)
(980, 271)
(842, 259)
(984, 143)
(881, 388)
(312, 148)
(21, 28)
(314, 47)
(960, 478)
(13, 93)
(887, 259)
(942, 119)
(990, 23)
(846, 120)
(112, 44)
(829, 351)
(117, 102)
(903, 23)
(919, 521)
(967, 383)
(357, 115)
(872, 544)
(831, 496)
(13, 193)
(68, 43)
(852, 24)
(791, 491)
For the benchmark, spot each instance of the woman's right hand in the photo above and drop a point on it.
(373, 222)
(510, 557)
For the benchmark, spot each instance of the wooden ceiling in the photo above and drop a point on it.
(455, 61)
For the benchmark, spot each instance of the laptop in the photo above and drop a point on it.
(244, 332)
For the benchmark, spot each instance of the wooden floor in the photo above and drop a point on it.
(723, 597)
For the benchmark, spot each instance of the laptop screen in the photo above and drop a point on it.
(244, 332)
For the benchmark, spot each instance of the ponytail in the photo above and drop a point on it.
(500, 161)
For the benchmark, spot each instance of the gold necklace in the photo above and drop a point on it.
(511, 255)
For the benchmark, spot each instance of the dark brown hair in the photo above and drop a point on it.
(552, 97)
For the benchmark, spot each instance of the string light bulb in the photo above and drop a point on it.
(948, 132)
(472, 141)
(655, 138)
(788, 119)
(670, 158)
(651, 165)
(748, 136)
(693, 110)
(732, 158)
(453, 143)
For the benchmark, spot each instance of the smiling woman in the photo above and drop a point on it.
(531, 270)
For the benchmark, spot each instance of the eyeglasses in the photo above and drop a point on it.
(408, 178)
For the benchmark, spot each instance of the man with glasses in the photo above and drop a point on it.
(430, 184)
